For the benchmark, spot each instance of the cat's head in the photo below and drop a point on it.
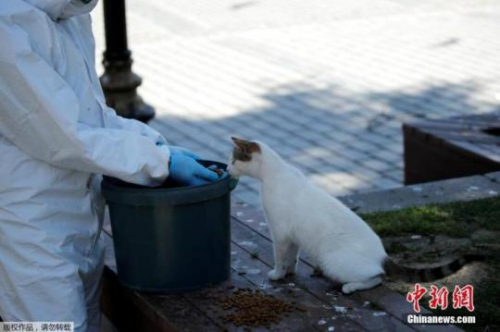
(245, 158)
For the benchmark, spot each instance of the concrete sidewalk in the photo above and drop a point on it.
(326, 83)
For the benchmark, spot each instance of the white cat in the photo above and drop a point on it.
(302, 216)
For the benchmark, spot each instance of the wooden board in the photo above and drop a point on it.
(449, 148)
(326, 308)
(387, 301)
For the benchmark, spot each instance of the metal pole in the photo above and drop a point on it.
(118, 81)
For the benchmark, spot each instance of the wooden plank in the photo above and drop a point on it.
(395, 305)
(132, 311)
(207, 300)
(490, 120)
(317, 311)
(457, 132)
(490, 153)
(431, 159)
(448, 148)
(459, 136)
(398, 307)
(180, 312)
(191, 311)
(367, 316)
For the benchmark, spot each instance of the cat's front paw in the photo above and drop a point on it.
(348, 288)
(275, 275)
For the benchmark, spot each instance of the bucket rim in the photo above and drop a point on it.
(112, 192)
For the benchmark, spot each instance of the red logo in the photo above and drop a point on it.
(439, 298)
(415, 296)
(462, 297)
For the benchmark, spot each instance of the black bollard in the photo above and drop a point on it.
(118, 81)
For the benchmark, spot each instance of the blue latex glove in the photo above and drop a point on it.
(187, 171)
(178, 150)
(183, 151)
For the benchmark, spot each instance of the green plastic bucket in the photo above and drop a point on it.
(170, 239)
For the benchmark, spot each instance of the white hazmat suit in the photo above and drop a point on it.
(55, 133)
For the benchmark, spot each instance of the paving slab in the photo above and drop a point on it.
(494, 177)
(460, 189)
(342, 75)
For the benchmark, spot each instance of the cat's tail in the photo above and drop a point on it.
(429, 272)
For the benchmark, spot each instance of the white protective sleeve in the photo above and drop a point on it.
(112, 120)
(40, 115)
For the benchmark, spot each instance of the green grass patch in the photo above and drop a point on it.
(461, 220)
(452, 219)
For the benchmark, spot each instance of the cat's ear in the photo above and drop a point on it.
(247, 147)
(243, 149)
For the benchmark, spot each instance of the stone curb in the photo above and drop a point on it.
(453, 190)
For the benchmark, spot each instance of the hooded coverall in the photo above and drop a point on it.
(56, 132)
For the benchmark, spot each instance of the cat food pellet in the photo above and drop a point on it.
(254, 308)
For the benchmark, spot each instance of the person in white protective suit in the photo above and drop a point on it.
(56, 138)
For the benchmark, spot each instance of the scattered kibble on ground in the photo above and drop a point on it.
(253, 308)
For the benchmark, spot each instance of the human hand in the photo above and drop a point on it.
(187, 171)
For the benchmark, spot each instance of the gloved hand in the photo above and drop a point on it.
(183, 151)
(178, 150)
(187, 171)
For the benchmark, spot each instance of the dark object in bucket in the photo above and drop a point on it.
(254, 308)
(217, 170)
(170, 239)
